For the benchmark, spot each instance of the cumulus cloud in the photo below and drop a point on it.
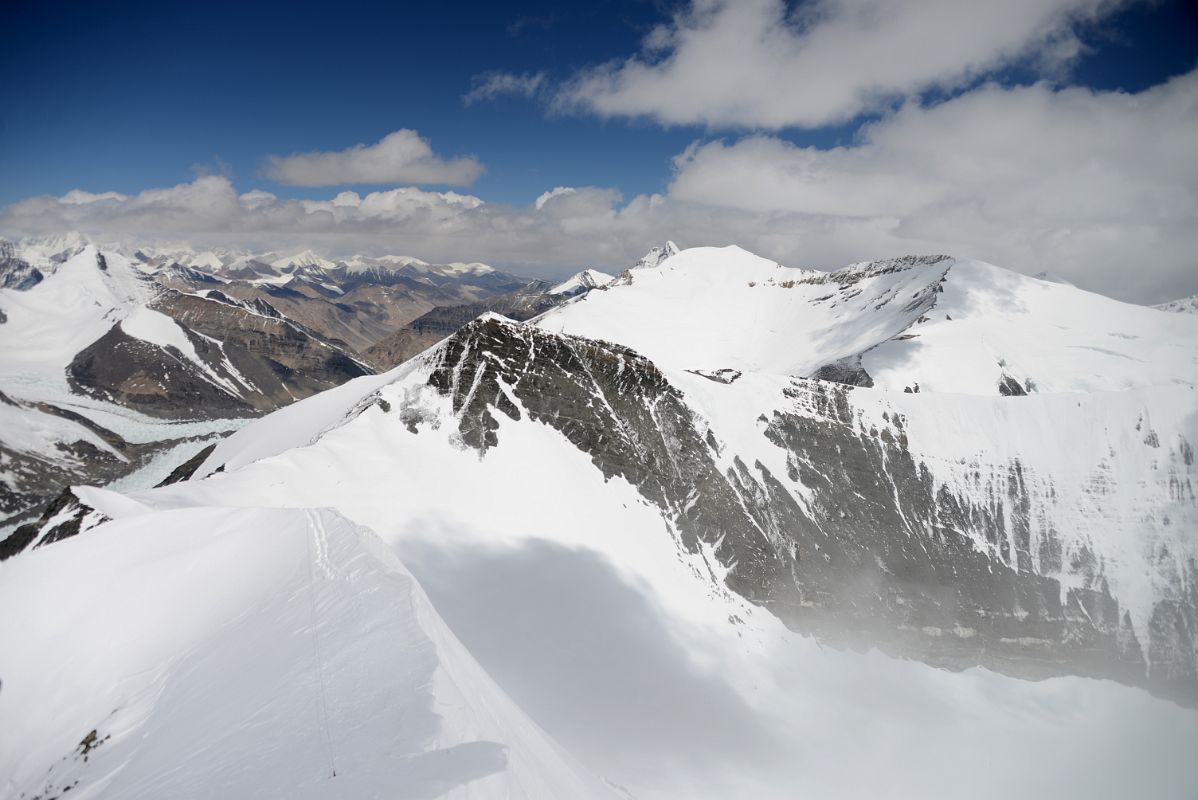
(1030, 178)
(756, 64)
(492, 85)
(400, 157)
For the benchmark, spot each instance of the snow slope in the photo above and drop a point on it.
(949, 325)
(1185, 305)
(727, 702)
(319, 670)
(77, 304)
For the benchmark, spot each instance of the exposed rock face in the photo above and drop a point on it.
(154, 380)
(847, 371)
(617, 407)
(656, 255)
(858, 543)
(251, 363)
(885, 555)
(64, 517)
(188, 468)
(16, 273)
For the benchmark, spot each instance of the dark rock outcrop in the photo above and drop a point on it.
(878, 553)
(16, 273)
(251, 363)
(188, 468)
(65, 516)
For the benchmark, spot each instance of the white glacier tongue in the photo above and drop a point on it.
(319, 669)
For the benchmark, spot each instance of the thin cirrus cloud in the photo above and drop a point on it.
(400, 157)
(755, 64)
(493, 85)
(1030, 178)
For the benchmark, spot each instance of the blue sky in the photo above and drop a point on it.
(127, 96)
(119, 96)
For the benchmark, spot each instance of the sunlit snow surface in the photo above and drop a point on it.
(193, 629)
(292, 655)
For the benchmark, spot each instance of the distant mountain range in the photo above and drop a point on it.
(117, 358)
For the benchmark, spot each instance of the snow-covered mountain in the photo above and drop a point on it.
(102, 366)
(656, 255)
(1184, 305)
(582, 282)
(171, 333)
(642, 513)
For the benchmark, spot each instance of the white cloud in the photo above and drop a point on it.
(1101, 188)
(556, 191)
(400, 157)
(81, 196)
(755, 64)
(492, 85)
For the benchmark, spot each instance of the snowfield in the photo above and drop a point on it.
(319, 669)
(256, 629)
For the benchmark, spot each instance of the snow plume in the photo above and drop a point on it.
(400, 157)
(756, 64)
(1032, 178)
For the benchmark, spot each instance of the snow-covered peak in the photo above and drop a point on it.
(927, 323)
(1184, 305)
(72, 307)
(206, 260)
(581, 282)
(461, 268)
(46, 252)
(657, 255)
(361, 263)
(304, 258)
